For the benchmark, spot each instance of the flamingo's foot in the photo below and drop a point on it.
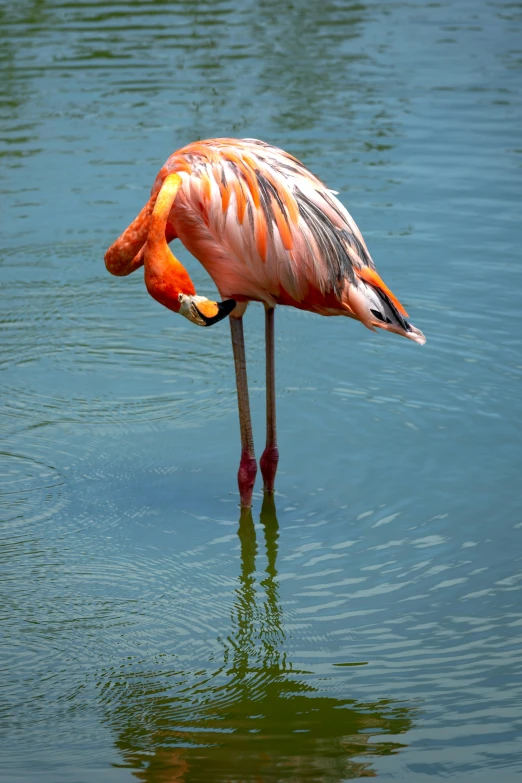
(246, 478)
(268, 463)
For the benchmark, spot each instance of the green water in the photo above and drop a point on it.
(368, 624)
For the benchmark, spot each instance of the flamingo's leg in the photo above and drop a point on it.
(247, 467)
(270, 456)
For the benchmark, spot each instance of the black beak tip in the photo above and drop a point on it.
(224, 309)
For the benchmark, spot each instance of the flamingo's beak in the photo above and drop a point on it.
(212, 312)
(203, 311)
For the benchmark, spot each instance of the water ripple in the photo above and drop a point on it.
(149, 630)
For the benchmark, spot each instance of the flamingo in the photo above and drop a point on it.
(266, 230)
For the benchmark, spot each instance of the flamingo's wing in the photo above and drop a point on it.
(265, 206)
(275, 216)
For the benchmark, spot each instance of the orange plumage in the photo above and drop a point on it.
(267, 229)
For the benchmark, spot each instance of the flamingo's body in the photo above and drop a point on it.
(265, 229)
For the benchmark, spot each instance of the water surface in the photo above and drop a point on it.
(368, 623)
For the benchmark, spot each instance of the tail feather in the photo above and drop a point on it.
(370, 276)
(376, 306)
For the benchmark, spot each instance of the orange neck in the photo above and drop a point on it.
(165, 276)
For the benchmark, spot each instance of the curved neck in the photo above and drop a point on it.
(165, 276)
(160, 214)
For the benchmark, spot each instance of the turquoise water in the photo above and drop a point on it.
(370, 623)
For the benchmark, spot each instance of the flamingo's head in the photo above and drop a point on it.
(203, 311)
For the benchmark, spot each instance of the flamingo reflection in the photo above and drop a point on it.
(257, 718)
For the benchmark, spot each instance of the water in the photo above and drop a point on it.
(369, 624)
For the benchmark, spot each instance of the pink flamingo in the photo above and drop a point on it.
(266, 230)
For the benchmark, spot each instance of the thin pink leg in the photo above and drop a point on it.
(247, 467)
(270, 456)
